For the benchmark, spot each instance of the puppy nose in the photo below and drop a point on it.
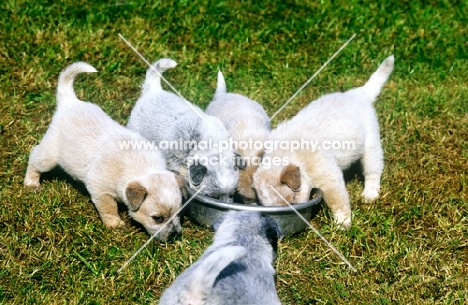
(173, 236)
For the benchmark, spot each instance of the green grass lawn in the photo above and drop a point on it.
(410, 247)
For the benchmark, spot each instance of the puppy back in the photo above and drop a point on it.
(195, 285)
(65, 92)
(205, 274)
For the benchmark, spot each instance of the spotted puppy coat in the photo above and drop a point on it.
(237, 269)
(199, 161)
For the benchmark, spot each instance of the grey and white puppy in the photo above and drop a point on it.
(247, 123)
(199, 152)
(237, 269)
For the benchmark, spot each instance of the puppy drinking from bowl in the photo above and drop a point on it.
(198, 152)
(347, 117)
(85, 142)
(247, 123)
(237, 269)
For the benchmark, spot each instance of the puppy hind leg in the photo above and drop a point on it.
(42, 159)
(372, 164)
(108, 211)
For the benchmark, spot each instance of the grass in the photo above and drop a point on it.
(410, 247)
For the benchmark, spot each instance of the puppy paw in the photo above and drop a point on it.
(370, 194)
(343, 220)
(32, 185)
(114, 223)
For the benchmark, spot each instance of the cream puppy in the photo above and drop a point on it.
(86, 143)
(164, 117)
(348, 119)
(248, 124)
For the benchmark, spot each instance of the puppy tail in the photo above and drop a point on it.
(206, 273)
(65, 92)
(378, 79)
(221, 86)
(154, 74)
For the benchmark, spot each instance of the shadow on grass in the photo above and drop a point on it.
(59, 173)
(354, 172)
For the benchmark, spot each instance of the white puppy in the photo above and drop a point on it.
(348, 119)
(85, 142)
(237, 269)
(200, 151)
(248, 124)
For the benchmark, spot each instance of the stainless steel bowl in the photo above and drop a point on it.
(205, 211)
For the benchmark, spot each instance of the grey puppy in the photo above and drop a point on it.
(162, 116)
(237, 269)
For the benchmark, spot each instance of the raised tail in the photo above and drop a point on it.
(221, 86)
(154, 74)
(378, 79)
(65, 92)
(206, 273)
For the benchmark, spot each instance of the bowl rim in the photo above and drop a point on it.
(212, 202)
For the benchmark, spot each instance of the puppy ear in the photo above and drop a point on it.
(273, 231)
(182, 185)
(261, 153)
(240, 161)
(292, 177)
(197, 172)
(136, 194)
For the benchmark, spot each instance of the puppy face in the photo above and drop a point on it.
(286, 180)
(218, 173)
(152, 201)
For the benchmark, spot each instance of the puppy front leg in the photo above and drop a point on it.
(108, 211)
(334, 192)
(337, 199)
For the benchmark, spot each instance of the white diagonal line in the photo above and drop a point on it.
(162, 77)
(160, 229)
(316, 231)
(313, 76)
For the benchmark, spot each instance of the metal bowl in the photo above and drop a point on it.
(205, 211)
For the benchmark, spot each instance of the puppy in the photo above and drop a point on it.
(197, 155)
(347, 116)
(247, 123)
(85, 142)
(236, 269)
